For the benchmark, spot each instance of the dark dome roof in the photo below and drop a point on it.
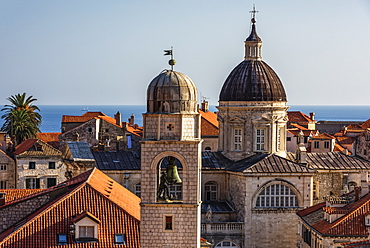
(171, 92)
(253, 80)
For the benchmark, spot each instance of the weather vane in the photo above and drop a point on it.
(171, 62)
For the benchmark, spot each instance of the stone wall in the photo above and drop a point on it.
(8, 171)
(329, 184)
(41, 170)
(16, 212)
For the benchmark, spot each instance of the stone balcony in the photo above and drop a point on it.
(233, 228)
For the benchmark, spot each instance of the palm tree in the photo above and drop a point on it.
(21, 118)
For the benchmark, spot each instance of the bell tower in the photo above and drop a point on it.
(171, 163)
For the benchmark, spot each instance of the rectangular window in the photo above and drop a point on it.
(168, 223)
(138, 189)
(120, 239)
(326, 144)
(31, 165)
(86, 231)
(317, 144)
(52, 181)
(62, 238)
(260, 139)
(51, 165)
(2, 184)
(32, 183)
(288, 138)
(2, 167)
(176, 191)
(237, 139)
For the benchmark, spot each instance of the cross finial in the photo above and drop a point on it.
(253, 12)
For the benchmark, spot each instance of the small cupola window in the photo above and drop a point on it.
(86, 227)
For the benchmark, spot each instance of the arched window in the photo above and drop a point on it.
(226, 244)
(207, 148)
(277, 196)
(138, 189)
(210, 191)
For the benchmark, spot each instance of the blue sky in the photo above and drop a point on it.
(107, 52)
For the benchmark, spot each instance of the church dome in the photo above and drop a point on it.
(253, 80)
(171, 92)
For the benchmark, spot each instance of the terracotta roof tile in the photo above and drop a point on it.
(28, 148)
(14, 194)
(298, 126)
(299, 117)
(366, 124)
(209, 123)
(83, 118)
(92, 192)
(323, 136)
(136, 130)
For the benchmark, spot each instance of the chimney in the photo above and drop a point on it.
(204, 106)
(76, 137)
(312, 116)
(131, 120)
(118, 118)
(2, 198)
(357, 193)
(301, 151)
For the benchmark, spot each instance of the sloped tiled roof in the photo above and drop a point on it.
(50, 138)
(109, 120)
(366, 124)
(333, 161)
(298, 117)
(83, 118)
(209, 123)
(306, 133)
(351, 224)
(80, 150)
(113, 160)
(268, 163)
(323, 136)
(134, 129)
(92, 192)
(346, 140)
(27, 148)
(298, 126)
(14, 194)
(214, 161)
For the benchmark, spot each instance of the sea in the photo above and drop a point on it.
(52, 114)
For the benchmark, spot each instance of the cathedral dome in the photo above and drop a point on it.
(253, 80)
(171, 92)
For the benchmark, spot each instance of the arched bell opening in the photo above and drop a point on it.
(169, 180)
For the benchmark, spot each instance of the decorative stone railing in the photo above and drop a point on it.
(225, 227)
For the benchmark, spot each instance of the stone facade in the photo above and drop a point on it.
(41, 171)
(7, 172)
(250, 116)
(363, 145)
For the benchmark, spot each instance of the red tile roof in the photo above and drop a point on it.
(299, 117)
(346, 140)
(83, 118)
(323, 136)
(351, 224)
(26, 148)
(366, 124)
(14, 194)
(209, 123)
(93, 192)
(48, 137)
(306, 133)
(298, 126)
(134, 129)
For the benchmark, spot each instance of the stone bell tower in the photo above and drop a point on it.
(171, 164)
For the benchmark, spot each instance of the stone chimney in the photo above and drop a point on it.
(2, 199)
(131, 120)
(301, 151)
(76, 137)
(312, 116)
(204, 106)
(118, 118)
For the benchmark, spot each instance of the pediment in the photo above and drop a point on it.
(237, 119)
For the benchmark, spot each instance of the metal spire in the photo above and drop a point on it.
(253, 12)
(171, 62)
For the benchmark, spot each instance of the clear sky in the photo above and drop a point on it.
(98, 52)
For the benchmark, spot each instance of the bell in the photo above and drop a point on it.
(172, 174)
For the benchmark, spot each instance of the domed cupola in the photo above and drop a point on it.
(253, 79)
(171, 92)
